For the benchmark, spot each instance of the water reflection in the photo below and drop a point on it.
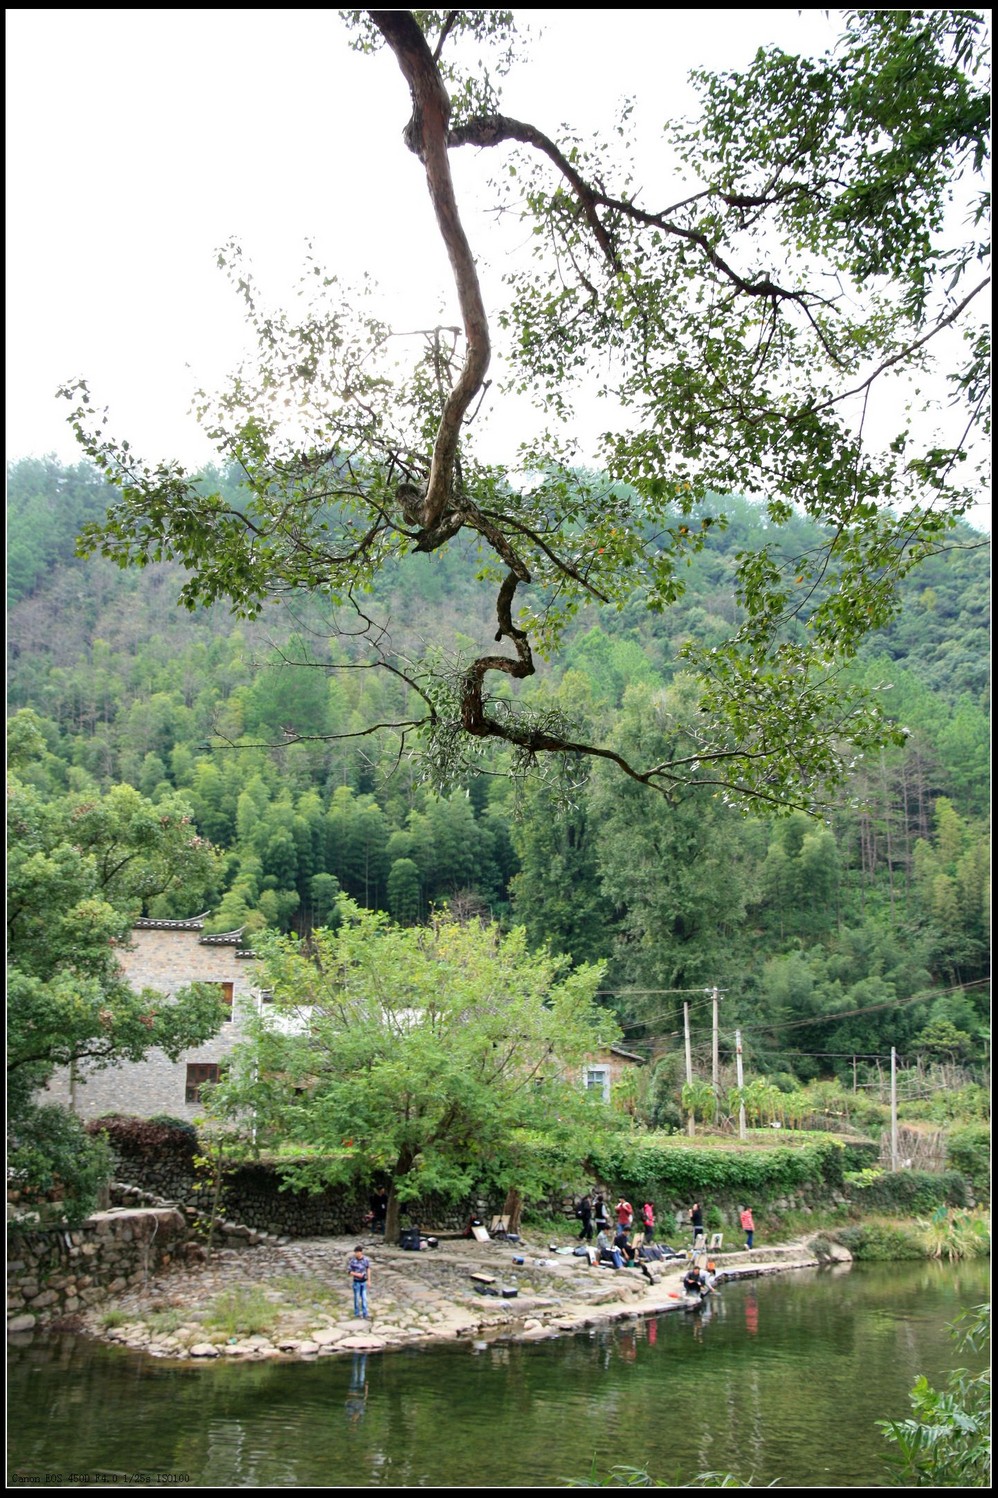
(356, 1401)
(777, 1379)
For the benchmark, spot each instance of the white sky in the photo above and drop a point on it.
(138, 141)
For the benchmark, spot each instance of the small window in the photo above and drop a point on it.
(199, 1072)
(597, 1079)
(226, 990)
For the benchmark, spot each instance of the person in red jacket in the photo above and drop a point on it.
(625, 1214)
(648, 1220)
(748, 1226)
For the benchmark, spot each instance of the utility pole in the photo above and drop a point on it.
(741, 1080)
(690, 1122)
(715, 1069)
(894, 1109)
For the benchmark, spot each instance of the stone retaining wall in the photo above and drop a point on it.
(58, 1272)
(252, 1196)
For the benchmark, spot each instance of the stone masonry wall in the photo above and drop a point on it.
(164, 959)
(54, 1273)
(254, 1199)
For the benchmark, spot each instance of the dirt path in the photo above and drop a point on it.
(298, 1297)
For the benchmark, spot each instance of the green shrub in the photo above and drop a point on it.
(881, 1241)
(968, 1150)
(948, 1442)
(860, 1154)
(128, 1135)
(57, 1166)
(909, 1191)
(955, 1235)
(864, 1177)
(183, 1125)
(672, 1168)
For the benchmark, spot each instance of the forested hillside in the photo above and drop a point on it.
(828, 938)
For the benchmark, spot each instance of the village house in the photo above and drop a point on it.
(610, 1066)
(167, 956)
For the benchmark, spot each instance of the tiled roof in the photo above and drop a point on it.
(196, 923)
(193, 923)
(618, 1050)
(223, 939)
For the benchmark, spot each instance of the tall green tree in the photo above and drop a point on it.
(677, 877)
(78, 873)
(803, 260)
(438, 1057)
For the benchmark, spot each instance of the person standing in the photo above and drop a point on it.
(599, 1212)
(359, 1268)
(748, 1225)
(586, 1216)
(625, 1214)
(648, 1220)
(696, 1222)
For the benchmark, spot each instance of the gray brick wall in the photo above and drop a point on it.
(165, 957)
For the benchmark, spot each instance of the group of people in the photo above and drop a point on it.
(621, 1246)
(618, 1240)
(620, 1249)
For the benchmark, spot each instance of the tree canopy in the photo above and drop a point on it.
(78, 871)
(804, 259)
(438, 1058)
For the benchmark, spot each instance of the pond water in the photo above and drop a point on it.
(781, 1380)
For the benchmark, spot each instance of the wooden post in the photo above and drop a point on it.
(742, 1134)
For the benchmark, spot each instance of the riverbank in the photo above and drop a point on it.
(293, 1300)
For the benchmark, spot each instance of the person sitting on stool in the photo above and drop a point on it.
(608, 1252)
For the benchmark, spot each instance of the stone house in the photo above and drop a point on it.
(167, 956)
(607, 1067)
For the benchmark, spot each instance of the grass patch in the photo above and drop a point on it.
(243, 1312)
(298, 1291)
(164, 1323)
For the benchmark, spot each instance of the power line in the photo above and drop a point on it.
(794, 1024)
(824, 1019)
(621, 992)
